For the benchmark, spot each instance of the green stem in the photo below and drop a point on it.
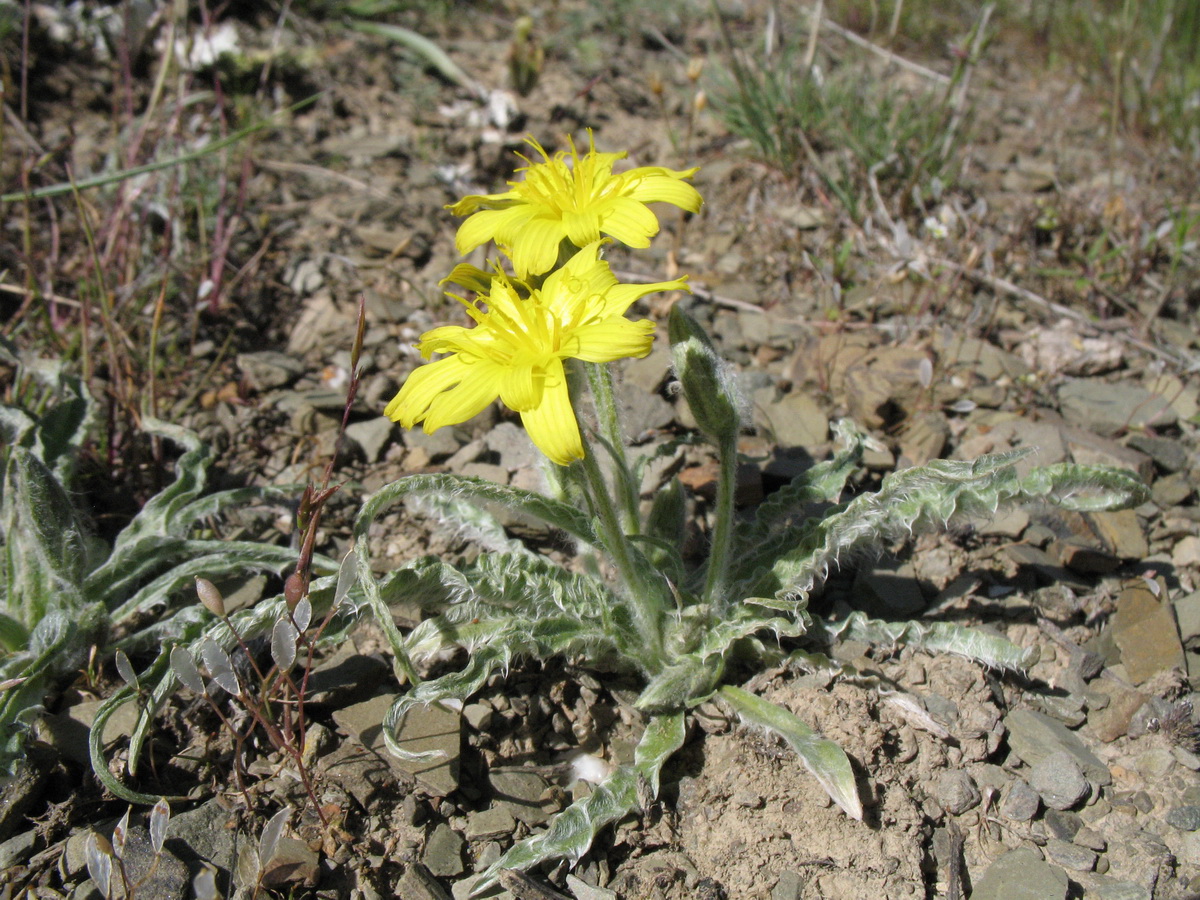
(645, 594)
(716, 582)
(600, 382)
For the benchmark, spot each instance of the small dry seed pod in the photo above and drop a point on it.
(294, 589)
(210, 597)
(695, 68)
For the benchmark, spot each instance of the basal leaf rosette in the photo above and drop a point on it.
(576, 202)
(517, 347)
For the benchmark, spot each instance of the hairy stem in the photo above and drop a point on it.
(716, 582)
(600, 383)
(644, 594)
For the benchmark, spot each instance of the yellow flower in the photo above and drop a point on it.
(516, 350)
(579, 202)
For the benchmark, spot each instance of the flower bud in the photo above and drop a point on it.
(708, 383)
(210, 597)
(695, 68)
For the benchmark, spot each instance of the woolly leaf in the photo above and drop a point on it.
(552, 512)
(936, 637)
(929, 497)
(572, 831)
(470, 521)
(822, 757)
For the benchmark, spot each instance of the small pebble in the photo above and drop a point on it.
(956, 792)
(1059, 780)
(1021, 803)
(1185, 818)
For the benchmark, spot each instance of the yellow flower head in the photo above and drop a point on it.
(517, 347)
(578, 202)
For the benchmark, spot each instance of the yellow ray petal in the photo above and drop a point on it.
(620, 297)
(473, 202)
(410, 405)
(630, 222)
(489, 224)
(472, 395)
(551, 425)
(521, 386)
(652, 184)
(534, 246)
(612, 339)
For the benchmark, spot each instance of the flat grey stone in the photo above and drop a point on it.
(427, 728)
(443, 852)
(1071, 856)
(1108, 408)
(161, 876)
(493, 822)
(956, 792)
(1034, 736)
(511, 444)
(371, 436)
(520, 792)
(1144, 630)
(1059, 780)
(68, 731)
(1021, 874)
(1187, 613)
(265, 370)
(1021, 803)
(790, 886)
(346, 677)
(418, 884)
(793, 420)
(584, 891)
(17, 849)
(201, 834)
(1063, 825)
(1103, 887)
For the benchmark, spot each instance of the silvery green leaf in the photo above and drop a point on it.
(99, 862)
(160, 815)
(283, 644)
(268, 842)
(247, 869)
(120, 834)
(469, 521)
(424, 48)
(929, 497)
(552, 512)
(572, 831)
(302, 614)
(219, 558)
(184, 668)
(125, 669)
(821, 756)
(47, 519)
(946, 637)
(681, 685)
(347, 578)
(824, 482)
(219, 665)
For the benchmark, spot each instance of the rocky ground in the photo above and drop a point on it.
(1079, 778)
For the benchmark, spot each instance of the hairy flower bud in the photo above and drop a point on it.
(708, 383)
